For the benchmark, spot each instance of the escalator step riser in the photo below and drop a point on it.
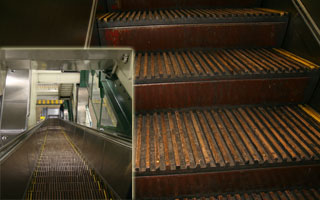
(185, 28)
(59, 186)
(93, 194)
(62, 173)
(234, 91)
(301, 194)
(240, 35)
(154, 4)
(190, 16)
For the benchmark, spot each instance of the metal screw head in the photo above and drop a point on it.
(125, 58)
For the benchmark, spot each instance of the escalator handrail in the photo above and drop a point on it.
(113, 136)
(7, 148)
(308, 19)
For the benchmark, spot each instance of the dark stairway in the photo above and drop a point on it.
(221, 110)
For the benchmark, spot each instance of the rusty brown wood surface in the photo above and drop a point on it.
(304, 193)
(222, 182)
(141, 4)
(221, 92)
(261, 34)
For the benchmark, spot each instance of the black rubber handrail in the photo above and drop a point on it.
(7, 148)
(121, 138)
(308, 19)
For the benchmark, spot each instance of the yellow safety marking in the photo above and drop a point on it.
(110, 15)
(96, 101)
(35, 173)
(271, 10)
(103, 15)
(53, 102)
(310, 111)
(81, 157)
(105, 194)
(297, 58)
(110, 112)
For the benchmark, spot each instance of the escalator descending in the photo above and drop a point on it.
(62, 173)
(51, 163)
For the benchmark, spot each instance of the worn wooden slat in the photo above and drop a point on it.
(236, 138)
(192, 139)
(249, 145)
(201, 139)
(165, 141)
(261, 137)
(174, 142)
(226, 155)
(138, 145)
(183, 140)
(268, 135)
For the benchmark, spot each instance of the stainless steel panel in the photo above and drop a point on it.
(16, 88)
(53, 111)
(67, 59)
(83, 98)
(15, 101)
(14, 116)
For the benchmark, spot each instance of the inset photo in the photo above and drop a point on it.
(66, 123)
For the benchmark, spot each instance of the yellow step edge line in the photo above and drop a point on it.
(90, 170)
(317, 114)
(110, 112)
(297, 58)
(35, 173)
(314, 114)
(105, 194)
(271, 10)
(106, 18)
(103, 16)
